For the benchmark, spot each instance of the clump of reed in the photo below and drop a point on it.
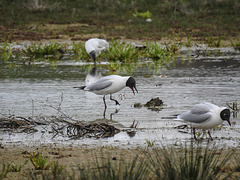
(121, 51)
(188, 162)
(41, 50)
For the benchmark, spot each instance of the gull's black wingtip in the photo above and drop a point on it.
(81, 87)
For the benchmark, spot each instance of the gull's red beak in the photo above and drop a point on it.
(133, 90)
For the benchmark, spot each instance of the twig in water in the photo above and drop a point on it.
(32, 105)
(58, 109)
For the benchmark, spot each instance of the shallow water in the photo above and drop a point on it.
(211, 75)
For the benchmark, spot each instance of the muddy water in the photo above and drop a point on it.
(195, 77)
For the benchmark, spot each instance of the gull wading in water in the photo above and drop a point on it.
(205, 116)
(94, 47)
(109, 85)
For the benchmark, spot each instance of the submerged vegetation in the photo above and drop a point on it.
(121, 51)
(119, 54)
(41, 50)
(118, 51)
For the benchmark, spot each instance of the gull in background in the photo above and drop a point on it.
(205, 116)
(94, 46)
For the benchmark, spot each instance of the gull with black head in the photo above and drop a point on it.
(110, 85)
(205, 116)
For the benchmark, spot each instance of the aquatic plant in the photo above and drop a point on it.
(189, 41)
(79, 51)
(187, 163)
(215, 42)
(236, 45)
(201, 134)
(5, 51)
(121, 51)
(39, 161)
(172, 48)
(154, 51)
(150, 143)
(233, 106)
(157, 52)
(41, 50)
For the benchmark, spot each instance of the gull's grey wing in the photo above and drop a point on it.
(200, 109)
(99, 85)
(198, 114)
(195, 118)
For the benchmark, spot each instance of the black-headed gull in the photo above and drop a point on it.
(109, 85)
(94, 47)
(205, 116)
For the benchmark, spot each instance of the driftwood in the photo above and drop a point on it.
(62, 127)
(97, 130)
(18, 124)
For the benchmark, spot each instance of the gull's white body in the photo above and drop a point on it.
(203, 116)
(107, 85)
(96, 45)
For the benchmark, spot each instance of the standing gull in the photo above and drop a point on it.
(205, 116)
(94, 47)
(109, 85)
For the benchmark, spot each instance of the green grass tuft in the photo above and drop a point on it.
(121, 51)
(39, 161)
(41, 50)
(79, 51)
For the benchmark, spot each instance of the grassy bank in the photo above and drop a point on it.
(40, 19)
(183, 162)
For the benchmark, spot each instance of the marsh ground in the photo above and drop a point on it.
(75, 20)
